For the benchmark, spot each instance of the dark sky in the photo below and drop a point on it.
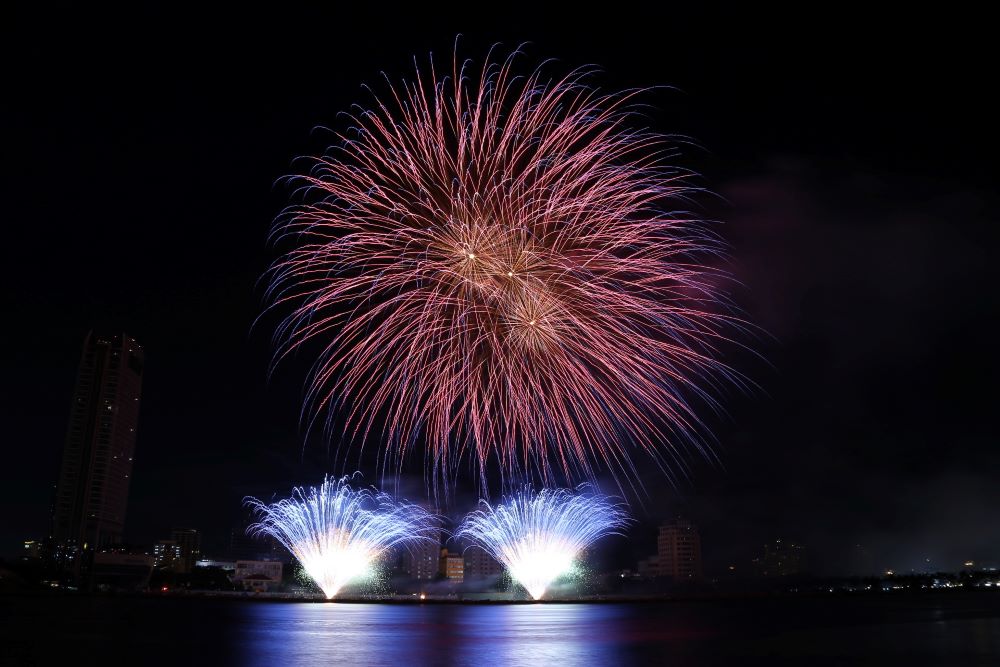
(852, 160)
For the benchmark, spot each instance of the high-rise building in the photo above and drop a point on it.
(92, 492)
(479, 564)
(678, 550)
(420, 560)
(189, 540)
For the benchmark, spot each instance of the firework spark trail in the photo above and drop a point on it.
(537, 537)
(337, 532)
(488, 261)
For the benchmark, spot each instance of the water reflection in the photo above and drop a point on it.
(540, 635)
(915, 630)
(360, 634)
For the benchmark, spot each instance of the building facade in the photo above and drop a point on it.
(189, 540)
(258, 575)
(452, 566)
(649, 567)
(167, 555)
(121, 571)
(479, 564)
(780, 559)
(92, 492)
(421, 559)
(678, 551)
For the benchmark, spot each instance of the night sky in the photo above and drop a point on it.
(851, 163)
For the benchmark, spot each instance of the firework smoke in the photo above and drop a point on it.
(337, 532)
(492, 264)
(537, 537)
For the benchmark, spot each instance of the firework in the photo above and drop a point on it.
(537, 537)
(493, 265)
(337, 532)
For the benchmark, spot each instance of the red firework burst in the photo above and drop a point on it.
(491, 265)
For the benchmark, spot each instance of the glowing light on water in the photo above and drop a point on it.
(338, 532)
(538, 536)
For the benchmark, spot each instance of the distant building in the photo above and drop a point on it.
(32, 550)
(221, 564)
(189, 540)
(780, 559)
(861, 561)
(478, 564)
(167, 555)
(452, 566)
(678, 551)
(247, 547)
(649, 567)
(241, 545)
(92, 492)
(121, 571)
(258, 575)
(421, 560)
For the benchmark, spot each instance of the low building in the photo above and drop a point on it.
(168, 555)
(229, 565)
(649, 567)
(121, 571)
(258, 575)
(452, 566)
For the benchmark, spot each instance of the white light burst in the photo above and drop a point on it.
(337, 532)
(538, 536)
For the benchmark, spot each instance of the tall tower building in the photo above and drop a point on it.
(678, 550)
(92, 491)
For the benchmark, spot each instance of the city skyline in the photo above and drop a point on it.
(745, 553)
(872, 424)
(499, 334)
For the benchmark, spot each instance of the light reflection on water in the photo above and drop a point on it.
(807, 631)
(915, 630)
(362, 634)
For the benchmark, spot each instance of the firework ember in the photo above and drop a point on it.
(492, 264)
(337, 532)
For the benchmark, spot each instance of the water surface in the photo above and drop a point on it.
(927, 629)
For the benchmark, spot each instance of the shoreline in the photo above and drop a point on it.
(287, 598)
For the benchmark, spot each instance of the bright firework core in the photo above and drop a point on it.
(538, 537)
(491, 264)
(337, 532)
